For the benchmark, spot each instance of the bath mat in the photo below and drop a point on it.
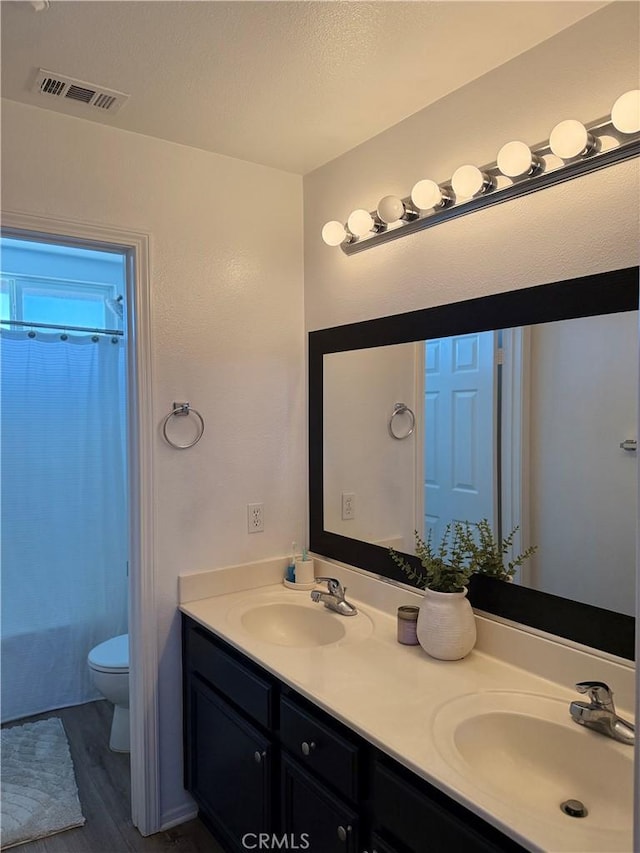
(39, 793)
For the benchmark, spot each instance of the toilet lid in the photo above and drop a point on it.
(112, 655)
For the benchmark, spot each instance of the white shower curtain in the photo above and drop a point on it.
(63, 514)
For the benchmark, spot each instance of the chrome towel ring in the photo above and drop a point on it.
(180, 409)
(401, 409)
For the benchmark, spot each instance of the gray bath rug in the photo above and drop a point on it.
(39, 793)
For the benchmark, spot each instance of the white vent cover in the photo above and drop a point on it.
(60, 86)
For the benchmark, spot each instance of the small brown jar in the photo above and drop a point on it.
(407, 624)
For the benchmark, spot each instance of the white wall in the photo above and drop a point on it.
(583, 226)
(360, 455)
(583, 380)
(227, 317)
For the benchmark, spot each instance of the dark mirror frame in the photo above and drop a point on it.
(602, 293)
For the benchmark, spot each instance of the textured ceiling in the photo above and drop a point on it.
(286, 84)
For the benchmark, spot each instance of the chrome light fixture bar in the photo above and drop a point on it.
(573, 149)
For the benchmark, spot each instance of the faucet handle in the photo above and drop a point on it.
(599, 693)
(334, 586)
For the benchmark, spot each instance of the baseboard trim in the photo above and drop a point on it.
(178, 815)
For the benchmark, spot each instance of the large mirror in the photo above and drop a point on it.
(520, 408)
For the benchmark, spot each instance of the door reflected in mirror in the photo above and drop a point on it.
(521, 426)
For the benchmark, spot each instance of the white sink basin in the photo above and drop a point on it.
(274, 618)
(525, 750)
(293, 625)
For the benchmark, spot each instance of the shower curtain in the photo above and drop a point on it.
(63, 514)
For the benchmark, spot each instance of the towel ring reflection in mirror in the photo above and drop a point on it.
(402, 409)
(178, 410)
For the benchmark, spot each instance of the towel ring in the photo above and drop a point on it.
(180, 409)
(401, 409)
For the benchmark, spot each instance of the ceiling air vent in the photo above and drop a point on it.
(67, 88)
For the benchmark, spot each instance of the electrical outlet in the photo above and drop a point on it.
(348, 506)
(255, 518)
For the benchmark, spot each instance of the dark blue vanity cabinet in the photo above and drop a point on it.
(234, 783)
(230, 759)
(261, 759)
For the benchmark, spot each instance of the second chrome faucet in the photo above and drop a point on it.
(600, 713)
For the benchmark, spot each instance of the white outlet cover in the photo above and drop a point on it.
(255, 518)
(348, 506)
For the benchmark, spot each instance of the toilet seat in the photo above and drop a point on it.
(111, 656)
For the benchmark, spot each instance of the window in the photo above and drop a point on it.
(35, 289)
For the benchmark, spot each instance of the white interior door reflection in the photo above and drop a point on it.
(460, 414)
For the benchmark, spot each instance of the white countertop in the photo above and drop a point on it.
(392, 694)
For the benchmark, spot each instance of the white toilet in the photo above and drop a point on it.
(109, 665)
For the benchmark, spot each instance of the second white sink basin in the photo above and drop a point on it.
(525, 750)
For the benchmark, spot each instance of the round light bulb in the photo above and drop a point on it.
(625, 115)
(515, 160)
(468, 181)
(360, 222)
(570, 139)
(390, 209)
(333, 233)
(427, 194)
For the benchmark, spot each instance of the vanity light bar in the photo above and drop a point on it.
(573, 149)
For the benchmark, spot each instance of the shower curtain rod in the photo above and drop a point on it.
(61, 328)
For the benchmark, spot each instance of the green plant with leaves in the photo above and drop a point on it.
(487, 555)
(445, 568)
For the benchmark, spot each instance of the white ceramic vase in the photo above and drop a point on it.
(446, 625)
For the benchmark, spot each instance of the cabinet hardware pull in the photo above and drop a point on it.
(343, 833)
(307, 747)
(258, 756)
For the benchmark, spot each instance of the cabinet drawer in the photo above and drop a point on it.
(254, 695)
(406, 814)
(318, 748)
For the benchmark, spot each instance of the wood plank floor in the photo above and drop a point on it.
(104, 788)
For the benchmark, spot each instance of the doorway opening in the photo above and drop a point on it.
(129, 315)
(63, 478)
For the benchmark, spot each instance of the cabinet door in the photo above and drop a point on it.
(413, 820)
(230, 766)
(314, 818)
(380, 846)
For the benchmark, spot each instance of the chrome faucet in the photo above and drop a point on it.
(333, 598)
(600, 713)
